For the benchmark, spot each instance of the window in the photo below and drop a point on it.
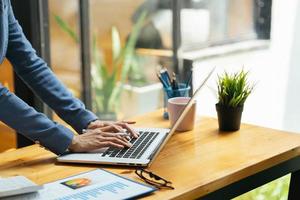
(112, 30)
(170, 26)
(65, 48)
(204, 23)
(207, 23)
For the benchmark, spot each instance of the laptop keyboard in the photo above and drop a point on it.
(139, 146)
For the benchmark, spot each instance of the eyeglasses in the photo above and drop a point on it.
(153, 179)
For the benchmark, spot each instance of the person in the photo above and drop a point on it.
(37, 75)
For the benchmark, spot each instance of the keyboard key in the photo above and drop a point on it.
(146, 147)
(115, 152)
(142, 145)
(135, 145)
(139, 146)
(109, 151)
(122, 152)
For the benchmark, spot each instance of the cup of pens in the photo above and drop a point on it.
(171, 92)
(173, 88)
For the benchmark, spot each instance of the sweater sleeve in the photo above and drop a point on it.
(38, 76)
(34, 125)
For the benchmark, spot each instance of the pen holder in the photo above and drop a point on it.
(169, 92)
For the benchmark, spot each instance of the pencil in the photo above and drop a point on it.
(161, 80)
(189, 78)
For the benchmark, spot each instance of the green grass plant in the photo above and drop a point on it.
(275, 190)
(108, 81)
(233, 89)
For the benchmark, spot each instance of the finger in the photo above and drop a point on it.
(128, 138)
(128, 122)
(96, 124)
(121, 136)
(90, 142)
(129, 129)
(109, 129)
(87, 132)
(119, 128)
(125, 139)
(118, 141)
(99, 124)
(108, 123)
(111, 144)
(112, 128)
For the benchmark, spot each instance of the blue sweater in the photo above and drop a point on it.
(37, 75)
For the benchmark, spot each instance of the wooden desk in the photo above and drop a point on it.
(201, 163)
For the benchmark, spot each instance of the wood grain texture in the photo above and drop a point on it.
(7, 135)
(7, 138)
(197, 162)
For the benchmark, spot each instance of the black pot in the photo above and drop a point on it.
(229, 118)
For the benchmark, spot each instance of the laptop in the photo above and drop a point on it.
(144, 149)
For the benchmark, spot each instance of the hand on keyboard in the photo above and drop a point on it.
(121, 127)
(101, 134)
(94, 139)
(139, 147)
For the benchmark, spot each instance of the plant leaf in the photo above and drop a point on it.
(233, 89)
(116, 43)
(129, 49)
(66, 28)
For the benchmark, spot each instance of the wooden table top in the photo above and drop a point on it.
(197, 162)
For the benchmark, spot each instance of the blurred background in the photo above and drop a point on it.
(107, 53)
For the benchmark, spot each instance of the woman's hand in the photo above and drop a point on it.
(94, 139)
(121, 127)
(100, 134)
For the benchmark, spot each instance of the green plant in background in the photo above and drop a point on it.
(66, 28)
(275, 190)
(233, 89)
(106, 83)
(136, 76)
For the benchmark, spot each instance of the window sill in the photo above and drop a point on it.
(224, 50)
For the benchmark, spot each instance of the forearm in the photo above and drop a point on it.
(44, 83)
(37, 75)
(35, 126)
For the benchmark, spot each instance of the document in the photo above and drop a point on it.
(17, 185)
(93, 185)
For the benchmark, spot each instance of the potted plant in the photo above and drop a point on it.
(233, 90)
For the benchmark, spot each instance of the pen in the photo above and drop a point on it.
(174, 82)
(161, 80)
(189, 78)
(165, 76)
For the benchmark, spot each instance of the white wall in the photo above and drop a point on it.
(292, 107)
(275, 101)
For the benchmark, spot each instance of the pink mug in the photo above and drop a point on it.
(175, 108)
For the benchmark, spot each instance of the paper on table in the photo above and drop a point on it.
(16, 185)
(93, 185)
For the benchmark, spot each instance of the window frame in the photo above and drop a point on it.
(33, 15)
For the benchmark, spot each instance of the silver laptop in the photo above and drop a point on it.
(144, 149)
